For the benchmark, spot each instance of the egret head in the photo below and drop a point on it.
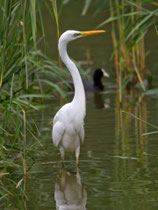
(70, 35)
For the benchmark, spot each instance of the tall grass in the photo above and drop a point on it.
(131, 21)
(24, 72)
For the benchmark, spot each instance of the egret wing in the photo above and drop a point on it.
(56, 117)
(81, 133)
(58, 132)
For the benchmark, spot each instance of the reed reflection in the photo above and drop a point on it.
(69, 192)
(130, 144)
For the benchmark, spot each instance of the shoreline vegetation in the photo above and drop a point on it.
(27, 77)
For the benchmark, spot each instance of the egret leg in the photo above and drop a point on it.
(62, 155)
(78, 178)
(77, 153)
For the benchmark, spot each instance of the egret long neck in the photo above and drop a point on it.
(79, 96)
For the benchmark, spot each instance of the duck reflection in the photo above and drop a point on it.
(99, 102)
(70, 194)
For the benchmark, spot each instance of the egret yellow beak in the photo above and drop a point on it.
(87, 33)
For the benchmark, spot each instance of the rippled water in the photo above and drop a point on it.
(118, 167)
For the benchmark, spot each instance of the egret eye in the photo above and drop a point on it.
(76, 34)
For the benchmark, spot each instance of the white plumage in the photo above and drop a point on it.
(68, 123)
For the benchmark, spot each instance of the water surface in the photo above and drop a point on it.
(118, 167)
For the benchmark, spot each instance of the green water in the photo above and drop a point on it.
(118, 167)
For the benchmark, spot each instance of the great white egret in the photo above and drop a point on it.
(68, 123)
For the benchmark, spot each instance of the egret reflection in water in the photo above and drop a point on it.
(69, 192)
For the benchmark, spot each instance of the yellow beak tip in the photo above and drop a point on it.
(86, 33)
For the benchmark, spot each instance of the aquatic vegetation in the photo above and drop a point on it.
(24, 72)
(131, 21)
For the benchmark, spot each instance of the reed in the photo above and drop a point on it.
(130, 23)
(24, 72)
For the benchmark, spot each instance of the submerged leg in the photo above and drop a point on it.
(78, 178)
(77, 153)
(62, 155)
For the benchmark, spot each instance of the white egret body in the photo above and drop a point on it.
(68, 123)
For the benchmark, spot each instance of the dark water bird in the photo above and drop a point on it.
(69, 193)
(96, 84)
(68, 123)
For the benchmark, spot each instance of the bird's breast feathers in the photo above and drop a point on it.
(72, 121)
(69, 115)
